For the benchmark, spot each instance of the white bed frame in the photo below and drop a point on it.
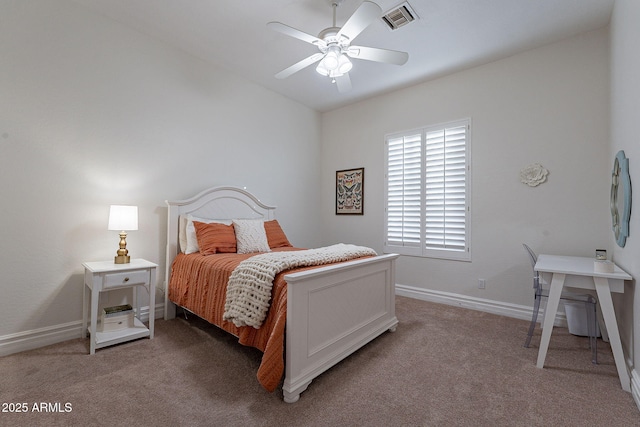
(332, 311)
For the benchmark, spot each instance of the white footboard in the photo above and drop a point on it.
(332, 312)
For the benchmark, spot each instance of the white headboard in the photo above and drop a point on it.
(213, 203)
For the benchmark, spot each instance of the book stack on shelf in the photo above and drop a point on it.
(116, 318)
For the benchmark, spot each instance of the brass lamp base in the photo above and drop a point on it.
(122, 259)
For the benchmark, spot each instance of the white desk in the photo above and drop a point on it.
(578, 272)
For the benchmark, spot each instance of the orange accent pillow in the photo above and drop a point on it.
(215, 238)
(275, 235)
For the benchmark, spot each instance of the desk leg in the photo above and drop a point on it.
(606, 306)
(557, 282)
(603, 327)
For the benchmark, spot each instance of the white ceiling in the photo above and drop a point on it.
(450, 35)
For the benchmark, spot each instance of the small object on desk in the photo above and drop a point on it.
(601, 254)
(603, 266)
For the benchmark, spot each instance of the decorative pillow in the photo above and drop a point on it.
(275, 235)
(190, 239)
(182, 233)
(215, 238)
(250, 236)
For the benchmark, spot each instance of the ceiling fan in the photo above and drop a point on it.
(335, 49)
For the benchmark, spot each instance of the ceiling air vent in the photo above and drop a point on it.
(399, 16)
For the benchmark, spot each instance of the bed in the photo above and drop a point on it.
(318, 315)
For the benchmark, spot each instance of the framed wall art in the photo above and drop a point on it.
(350, 192)
(620, 198)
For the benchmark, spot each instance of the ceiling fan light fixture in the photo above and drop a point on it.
(321, 69)
(332, 58)
(343, 67)
(344, 64)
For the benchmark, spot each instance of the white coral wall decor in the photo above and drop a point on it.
(533, 175)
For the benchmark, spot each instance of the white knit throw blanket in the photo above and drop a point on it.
(249, 287)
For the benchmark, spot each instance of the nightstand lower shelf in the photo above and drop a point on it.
(139, 330)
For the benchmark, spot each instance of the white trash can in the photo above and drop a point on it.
(577, 319)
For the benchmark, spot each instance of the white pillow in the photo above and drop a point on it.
(188, 239)
(250, 236)
(182, 232)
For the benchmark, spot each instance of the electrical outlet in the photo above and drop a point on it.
(481, 283)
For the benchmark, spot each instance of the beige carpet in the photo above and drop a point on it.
(445, 366)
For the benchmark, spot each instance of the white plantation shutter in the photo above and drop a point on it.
(445, 189)
(427, 181)
(404, 198)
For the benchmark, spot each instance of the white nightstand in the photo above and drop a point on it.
(106, 276)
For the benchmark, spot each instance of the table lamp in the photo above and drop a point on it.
(123, 219)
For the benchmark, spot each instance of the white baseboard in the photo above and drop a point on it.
(28, 340)
(489, 306)
(41, 337)
(36, 338)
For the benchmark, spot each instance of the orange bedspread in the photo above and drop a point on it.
(199, 283)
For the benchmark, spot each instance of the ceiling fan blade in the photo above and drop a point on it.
(366, 13)
(378, 55)
(300, 65)
(343, 83)
(292, 32)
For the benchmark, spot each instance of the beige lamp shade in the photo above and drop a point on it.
(123, 218)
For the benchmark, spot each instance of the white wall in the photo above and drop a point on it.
(625, 116)
(93, 114)
(549, 105)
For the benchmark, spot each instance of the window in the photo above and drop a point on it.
(427, 192)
